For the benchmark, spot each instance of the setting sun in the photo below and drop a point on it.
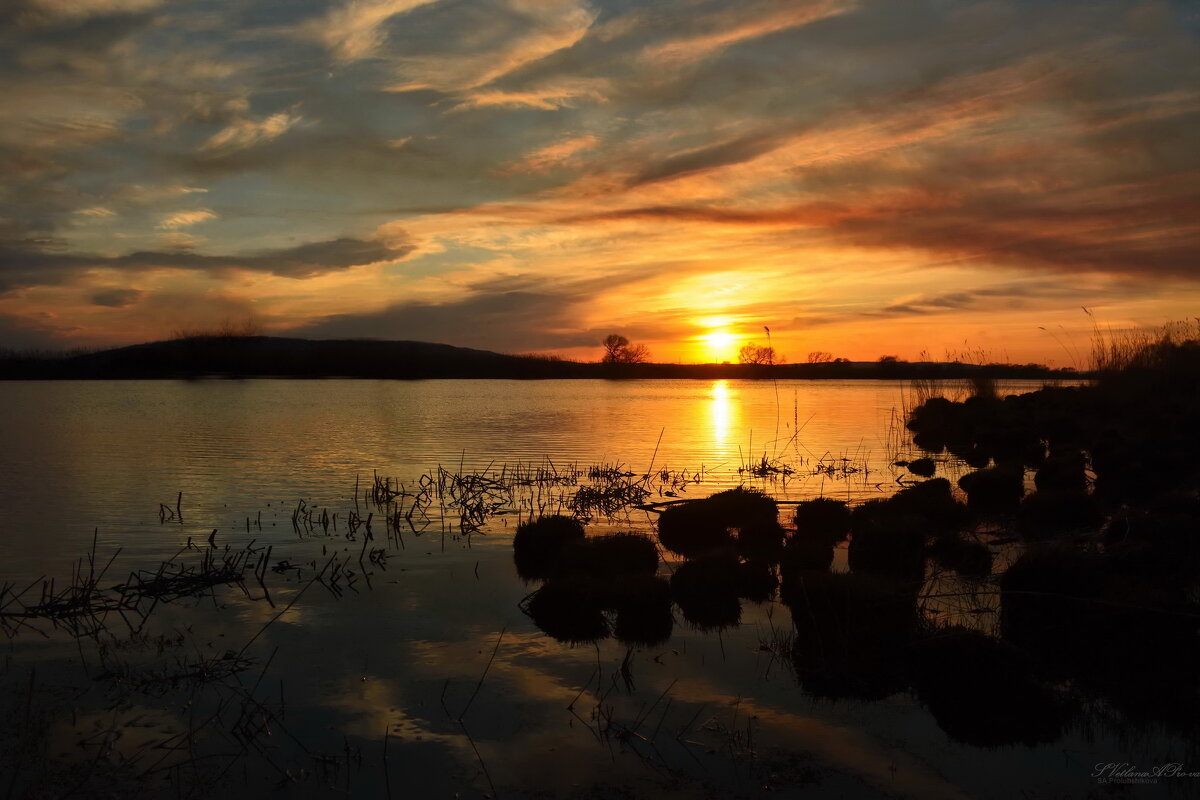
(719, 346)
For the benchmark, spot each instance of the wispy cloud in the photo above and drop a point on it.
(116, 298)
(245, 133)
(566, 153)
(484, 44)
(28, 264)
(80, 9)
(96, 212)
(185, 219)
(355, 29)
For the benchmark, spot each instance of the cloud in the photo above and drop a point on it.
(484, 42)
(562, 154)
(551, 96)
(116, 298)
(184, 219)
(96, 212)
(722, 154)
(245, 133)
(30, 263)
(22, 333)
(81, 9)
(735, 26)
(178, 240)
(1015, 295)
(507, 321)
(355, 29)
(814, 214)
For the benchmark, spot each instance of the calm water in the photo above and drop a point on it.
(88, 454)
(389, 661)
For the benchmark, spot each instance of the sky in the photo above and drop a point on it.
(924, 178)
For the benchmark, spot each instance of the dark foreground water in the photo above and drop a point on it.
(392, 658)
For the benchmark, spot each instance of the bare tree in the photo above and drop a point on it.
(752, 353)
(618, 350)
(820, 357)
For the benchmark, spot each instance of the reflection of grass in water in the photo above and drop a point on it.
(229, 722)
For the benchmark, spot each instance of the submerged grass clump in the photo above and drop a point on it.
(539, 543)
(931, 500)
(697, 527)
(1065, 470)
(761, 538)
(995, 489)
(923, 467)
(823, 518)
(687, 529)
(608, 557)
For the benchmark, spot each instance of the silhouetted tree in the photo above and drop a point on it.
(618, 350)
(820, 357)
(752, 353)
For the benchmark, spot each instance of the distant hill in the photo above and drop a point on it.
(271, 356)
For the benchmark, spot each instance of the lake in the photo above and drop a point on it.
(376, 645)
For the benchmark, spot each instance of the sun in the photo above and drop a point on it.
(719, 345)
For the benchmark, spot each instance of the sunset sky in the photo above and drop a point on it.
(530, 175)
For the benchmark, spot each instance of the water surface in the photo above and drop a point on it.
(397, 659)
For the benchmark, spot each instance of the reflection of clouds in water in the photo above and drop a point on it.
(528, 668)
(129, 730)
(465, 661)
(375, 704)
(845, 749)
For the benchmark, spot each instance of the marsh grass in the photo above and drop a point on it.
(1114, 350)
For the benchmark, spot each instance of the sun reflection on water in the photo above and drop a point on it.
(722, 412)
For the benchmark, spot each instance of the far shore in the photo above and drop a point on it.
(277, 357)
